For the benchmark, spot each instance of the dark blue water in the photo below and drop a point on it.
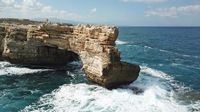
(174, 50)
(169, 58)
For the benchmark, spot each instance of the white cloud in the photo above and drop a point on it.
(189, 9)
(7, 2)
(174, 11)
(170, 12)
(33, 9)
(93, 10)
(145, 1)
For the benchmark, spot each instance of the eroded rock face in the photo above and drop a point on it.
(56, 44)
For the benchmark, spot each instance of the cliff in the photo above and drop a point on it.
(53, 44)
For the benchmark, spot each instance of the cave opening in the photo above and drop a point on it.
(45, 57)
(53, 56)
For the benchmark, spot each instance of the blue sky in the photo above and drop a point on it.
(117, 12)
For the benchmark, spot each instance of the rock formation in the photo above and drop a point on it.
(53, 44)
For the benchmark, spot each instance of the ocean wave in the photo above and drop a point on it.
(154, 72)
(84, 97)
(163, 79)
(119, 42)
(171, 52)
(74, 98)
(195, 107)
(178, 54)
(7, 68)
(4, 64)
(148, 47)
(185, 66)
(162, 50)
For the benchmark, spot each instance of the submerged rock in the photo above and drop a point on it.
(53, 44)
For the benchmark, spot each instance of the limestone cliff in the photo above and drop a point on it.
(53, 44)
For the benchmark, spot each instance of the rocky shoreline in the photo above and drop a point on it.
(41, 43)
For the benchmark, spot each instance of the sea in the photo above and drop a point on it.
(169, 80)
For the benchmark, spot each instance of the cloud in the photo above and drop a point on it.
(93, 10)
(170, 12)
(33, 9)
(145, 1)
(174, 11)
(7, 2)
(91, 13)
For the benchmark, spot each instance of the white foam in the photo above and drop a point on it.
(178, 54)
(187, 66)
(195, 107)
(161, 78)
(83, 97)
(164, 50)
(4, 64)
(7, 68)
(19, 71)
(119, 42)
(156, 73)
(148, 47)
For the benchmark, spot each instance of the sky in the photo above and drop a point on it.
(115, 12)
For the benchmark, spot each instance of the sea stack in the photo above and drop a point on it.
(56, 44)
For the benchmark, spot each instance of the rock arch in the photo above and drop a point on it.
(49, 43)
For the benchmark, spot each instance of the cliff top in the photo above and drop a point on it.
(26, 22)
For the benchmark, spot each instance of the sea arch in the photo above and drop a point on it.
(95, 45)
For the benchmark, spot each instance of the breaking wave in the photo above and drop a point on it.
(178, 54)
(148, 47)
(7, 68)
(119, 42)
(171, 52)
(154, 94)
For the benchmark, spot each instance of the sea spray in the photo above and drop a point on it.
(84, 97)
(7, 68)
(119, 42)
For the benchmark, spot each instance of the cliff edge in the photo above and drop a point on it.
(54, 44)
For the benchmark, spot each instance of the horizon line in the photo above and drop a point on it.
(100, 23)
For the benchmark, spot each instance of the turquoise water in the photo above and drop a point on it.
(169, 58)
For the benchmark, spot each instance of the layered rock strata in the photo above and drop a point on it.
(53, 44)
